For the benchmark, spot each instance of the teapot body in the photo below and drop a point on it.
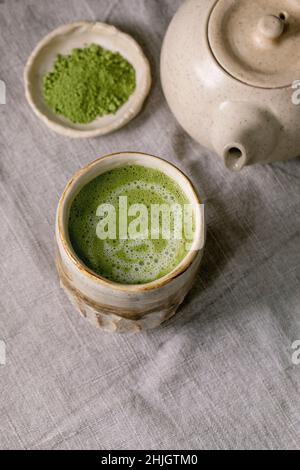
(242, 123)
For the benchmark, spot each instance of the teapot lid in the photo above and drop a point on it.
(257, 41)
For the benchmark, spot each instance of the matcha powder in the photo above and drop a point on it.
(89, 83)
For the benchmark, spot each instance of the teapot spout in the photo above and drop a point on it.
(244, 134)
(235, 156)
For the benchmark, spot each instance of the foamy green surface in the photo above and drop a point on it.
(126, 261)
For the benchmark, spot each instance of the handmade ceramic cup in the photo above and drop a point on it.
(118, 307)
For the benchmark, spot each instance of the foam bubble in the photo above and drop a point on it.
(139, 264)
(156, 188)
(128, 261)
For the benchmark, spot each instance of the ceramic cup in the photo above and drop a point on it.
(117, 307)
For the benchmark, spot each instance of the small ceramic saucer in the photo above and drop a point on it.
(76, 35)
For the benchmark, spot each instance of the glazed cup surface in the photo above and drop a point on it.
(122, 307)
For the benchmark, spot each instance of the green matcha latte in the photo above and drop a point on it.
(112, 252)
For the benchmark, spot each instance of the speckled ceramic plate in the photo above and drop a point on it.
(61, 41)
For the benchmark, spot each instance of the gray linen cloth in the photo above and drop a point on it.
(220, 374)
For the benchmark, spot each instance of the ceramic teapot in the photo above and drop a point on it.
(230, 72)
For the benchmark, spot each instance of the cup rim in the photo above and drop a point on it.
(85, 270)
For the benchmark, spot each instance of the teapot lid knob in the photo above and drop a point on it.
(255, 41)
(271, 26)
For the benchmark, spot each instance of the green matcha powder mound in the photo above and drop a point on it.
(88, 83)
